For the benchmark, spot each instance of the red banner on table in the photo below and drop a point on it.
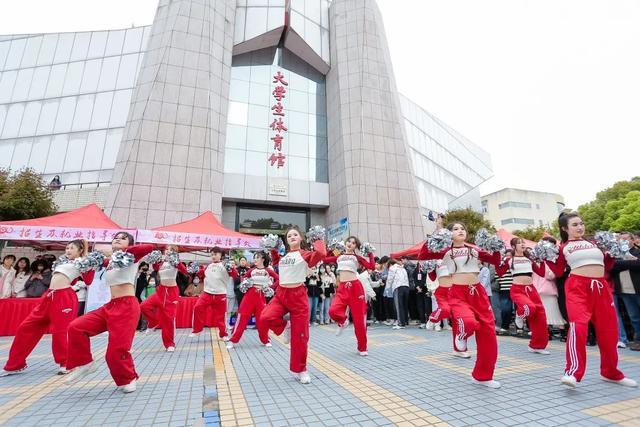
(197, 240)
(58, 234)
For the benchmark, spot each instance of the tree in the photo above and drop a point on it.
(532, 233)
(623, 214)
(24, 195)
(595, 212)
(471, 219)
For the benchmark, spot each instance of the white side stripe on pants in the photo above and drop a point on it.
(571, 346)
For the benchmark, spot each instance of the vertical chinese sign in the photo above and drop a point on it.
(278, 125)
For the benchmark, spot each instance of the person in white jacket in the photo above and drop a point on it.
(6, 275)
(399, 282)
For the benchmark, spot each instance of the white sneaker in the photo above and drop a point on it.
(363, 353)
(462, 354)
(438, 328)
(461, 344)
(81, 371)
(446, 327)
(268, 345)
(519, 321)
(342, 328)
(489, 383)
(62, 371)
(538, 350)
(171, 349)
(422, 326)
(304, 377)
(5, 373)
(621, 344)
(569, 381)
(229, 345)
(375, 322)
(396, 327)
(430, 326)
(388, 322)
(627, 382)
(287, 333)
(129, 388)
(149, 331)
(194, 334)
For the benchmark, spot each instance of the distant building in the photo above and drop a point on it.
(515, 209)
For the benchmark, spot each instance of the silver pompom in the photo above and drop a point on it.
(92, 261)
(228, 265)
(367, 248)
(63, 259)
(488, 242)
(544, 250)
(315, 233)
(337, 245)
(173, 258)
(431, 265)
(193, 268)
(121, 259)
(439, 240)
(154, 257)
(268, 291)
(245, 285)
(270, 241)
(608, 242)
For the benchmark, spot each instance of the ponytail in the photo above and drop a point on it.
(563, 222)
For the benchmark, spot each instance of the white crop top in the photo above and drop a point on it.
(68, 269)
(292, 268)
(582, 252)
(167, 272)
(119, 276)
(260, 277)
(216, 279)
(348, 262)
(520, 265)
(442, 270)
(458, 260)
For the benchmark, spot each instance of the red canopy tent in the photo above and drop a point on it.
(87, 222)
(506, 237)
(204, 231)
(411, 252)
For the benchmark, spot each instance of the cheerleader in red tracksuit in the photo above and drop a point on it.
(588, 299)
(441, 294)
(253, 302)
(351, 293)
(291, 297)
(216, 278)
(525, 296)
(55, 310)
(160, 308)
(119, 317)
(469, 302)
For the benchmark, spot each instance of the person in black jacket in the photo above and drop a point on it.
(626, 279)
(313, 292)
(243, 267)
(423, 298)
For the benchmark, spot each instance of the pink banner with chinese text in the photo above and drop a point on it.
(56, 234)
(197, 240)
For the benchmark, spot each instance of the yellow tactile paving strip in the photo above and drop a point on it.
(234, 410)
(393, 407)
(625, 413)
(515, 365)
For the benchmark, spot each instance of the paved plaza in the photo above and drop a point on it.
(410, 378)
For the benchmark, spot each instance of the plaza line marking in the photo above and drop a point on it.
(623, 413)
(372, 340)
(231, 401)
(516, 366)
(386, 403)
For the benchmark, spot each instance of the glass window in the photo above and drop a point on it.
(132, 40)
(65, 114)
(239, 91)
(258, 139)
(3, 114)
(47, 116)
(23, 82)
(262, 74)
(298, 122)
(93, 154)
(4, 51)
(238, 113)
(83, 112)
(6, 152)
(236, 137)
(114, 45)
(31, 51)
(21, 153)
(275, 18)
(7, 82)
(80, 46)
(101, 110)
(145, 38)
(256, 163)
(63, 48)
(97, 45)
(127, 74)
(73, 78)
(57, 151)
(238, 34)
(47, 49)
(256, 22)
(298, 101)
(55, 84)
(30, 119)
(259, 116)
(15, 54)
(298, 167)
(39, 82)
(75, 152)
(234, 161)
(120, 108)
(109, 73)
(39, 153)
(260, 94)
(12, 122)
(90, 76)
(241, 73)
(298, 144)
(269, 221)
(312, 10)
(114, 136)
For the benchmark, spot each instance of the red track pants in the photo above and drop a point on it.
(351, 294)
(57, 308)
(120, 318)
(160, 310)
(472, 313)
(218, 304)
(529, 306)
(441, 294)
(590, 299)
(253, 302)
(296, 302)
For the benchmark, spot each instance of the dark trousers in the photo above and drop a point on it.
(378, 305)
(423, 303)
(389, 308)
(506, 309)
(401, 299)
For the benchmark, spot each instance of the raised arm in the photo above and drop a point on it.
(426, 254)
(182, 269)
(539, 269)
(139, 251)
(369, 264)
(492, 258)
(330, 260)
(559, 266)
(274, 276)
(318, 254)
(503, 267)
(87, 277)
(275, 256)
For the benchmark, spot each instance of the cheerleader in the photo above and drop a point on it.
(216, 279)
(160, 308)
(588, 299)
(351, 294)
(119, 317)
(291, 297)
(469, 302)
(253, 301)
(525, 296)
(443, 278)
(55, 310)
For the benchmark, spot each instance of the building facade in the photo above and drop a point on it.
(267, 112)
(515, 209)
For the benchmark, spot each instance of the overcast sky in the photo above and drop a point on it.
(550, 88)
